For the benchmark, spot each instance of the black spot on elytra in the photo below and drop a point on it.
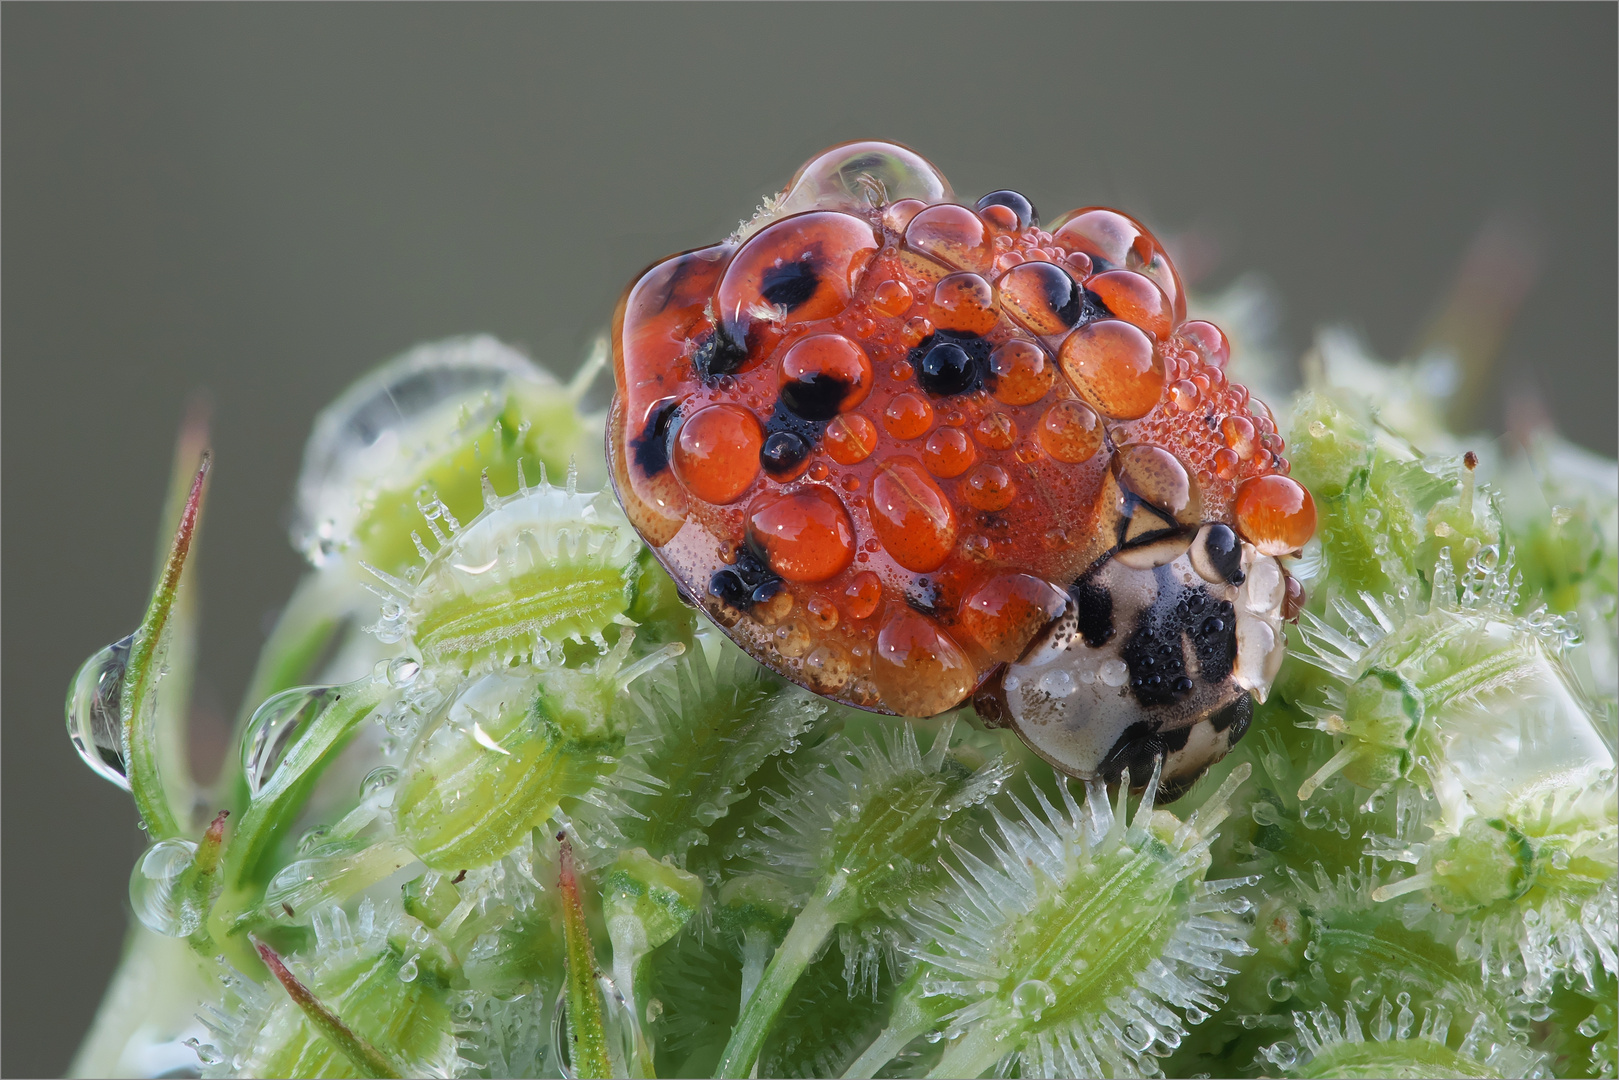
(790, 284)
(1235, 716)
(1065, 297)
(1015, 201)
(816, 396)
(782, 452)
(1091, 307)
(789, 439)
(950, 362)
(651, 447)
(720, 353)
(923, 595)
(750, 581)
(1093, 605)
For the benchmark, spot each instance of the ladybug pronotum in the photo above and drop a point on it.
(908, 452)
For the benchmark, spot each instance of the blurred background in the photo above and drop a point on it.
(264, 201)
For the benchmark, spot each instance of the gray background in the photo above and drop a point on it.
(266, 200)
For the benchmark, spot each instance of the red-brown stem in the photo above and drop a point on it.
(365, 1057)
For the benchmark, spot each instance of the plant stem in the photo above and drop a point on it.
(586, 1031)
(975, 1052)
(141, 750)
(361, 1054)
(910, 1016)
(803, 941)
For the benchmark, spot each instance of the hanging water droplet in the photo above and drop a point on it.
(1590, 1027)
(154, 889)
(1284, 1055)
(377, 779)
(276, 726)
(92, 711)
(207, 1053)
(408, 970)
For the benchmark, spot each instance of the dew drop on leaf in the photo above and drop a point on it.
(92, 711)
(276, 726)
(154, 889)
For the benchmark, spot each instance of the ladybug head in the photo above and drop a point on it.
(1159, 653)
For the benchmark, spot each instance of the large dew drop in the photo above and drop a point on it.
(276, 726)
(92, 711)
(155, 893)
(387, 428)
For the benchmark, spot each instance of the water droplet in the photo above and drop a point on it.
(92, 711)
(402, 671)
(379, 433)
(276, 726)
(155, 893)
(1283, 1055)
(1590, 1027)
(312, 839)
(1113, 672)
(408, 970)
(377, 779)
(1033, 997)
(207, 1053)
(1057, 683)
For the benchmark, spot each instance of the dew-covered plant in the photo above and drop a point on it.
(503, 805)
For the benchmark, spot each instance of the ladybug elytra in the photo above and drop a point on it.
(908, 452)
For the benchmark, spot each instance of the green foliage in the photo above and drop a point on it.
(558, 821)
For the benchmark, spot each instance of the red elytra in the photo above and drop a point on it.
(875, 439)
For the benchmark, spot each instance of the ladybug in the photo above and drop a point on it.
(910, 453)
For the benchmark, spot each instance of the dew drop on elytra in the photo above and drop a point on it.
(93, 721)
(276, 726)
(154, 889)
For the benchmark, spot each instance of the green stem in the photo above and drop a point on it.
(361, 1054)
(200, 881)
(586, 1032)
(141, 750)
(803, 941)
(975, 1052)
(882, 1050)
(910, 1017)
